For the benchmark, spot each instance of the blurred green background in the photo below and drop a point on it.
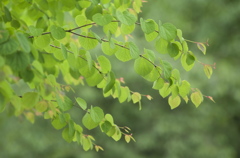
(210, 131)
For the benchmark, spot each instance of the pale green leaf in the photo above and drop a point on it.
(82, 103)
(161, 46)
(134, 50)
(174, 102)
(125, 93)
(202, 47)
(30, 99)
(142, 66)
(102, 19)
(208, 70)
(136, 97)
(57, 32)
(165, 90)
(127, 29)
(57, 123)
(64, 102)
(184, 88)
(148, 26)
(35, 31)
(88, 41)
(196, 98)
(64, 51)
(111, 82)
(104, 64)
(168, 31)
(126, 17)
(88, 122)
(158, 84)
(96, 114)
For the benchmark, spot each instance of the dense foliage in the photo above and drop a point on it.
(49, 46)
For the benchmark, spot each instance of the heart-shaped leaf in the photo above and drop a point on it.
(102, 19)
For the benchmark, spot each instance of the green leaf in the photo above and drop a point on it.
(42, 41)
(126, 17)
(127, 138)
(111, 27)
(106, 126)
(196, 98)
(174, 102)
(89, 60)
(179, 34)
(168, 31)
(30, 116)
(148, 26)
(123, 54)
(64, 51)
(8, 16)
(82, 20)
(185, 47)
(16, 24)
(35, 31)
(30, 99)
(127, 29)
(161, 46)
(117, 135)
(158, 84)
(186, 66)
(184, 88)
(142, 66)
(110, 83)
(57, 123)
(173, 49)
(95, 79)
(165, 90)
(202, 47)
(86, 143)
(175, 74)
(96, 114)
(102, 19)
(104, 64)
(41, 106)
(18, 61)
(134, 50)
(136, 97)
(57, 32)
(8, 47)
(82, 103)
(71, 130)
(88, 122)
(190, 59)
(88, 41)
(4, 35)
(153, 75)
(74, 49)
(65, 135)
(106, 48)
(208, 71)
(167, 68)
(109, 118)
(149, 54)
(125, 92)
(64, 102)
(25, 45)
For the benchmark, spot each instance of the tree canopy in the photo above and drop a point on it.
(49, 46)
